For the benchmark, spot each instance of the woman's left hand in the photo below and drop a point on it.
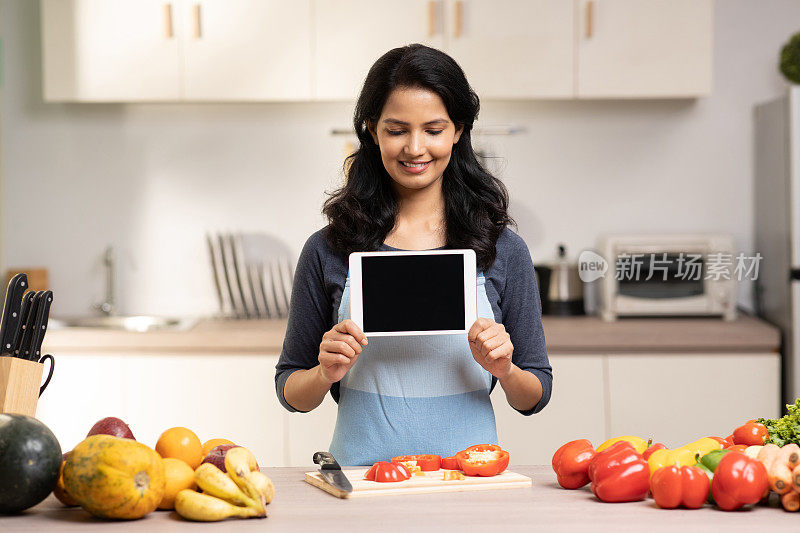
(491, 346)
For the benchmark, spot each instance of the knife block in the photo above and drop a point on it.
(20, 380)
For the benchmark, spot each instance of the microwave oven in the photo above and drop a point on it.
(667, 275)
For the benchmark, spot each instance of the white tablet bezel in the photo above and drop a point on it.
(470, 290)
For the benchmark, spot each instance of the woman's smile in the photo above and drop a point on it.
(416, 167)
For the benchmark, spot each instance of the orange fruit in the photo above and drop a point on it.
(212, 443)
(181, 443)
(179, 476)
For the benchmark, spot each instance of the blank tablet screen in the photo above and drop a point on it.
(413, 292)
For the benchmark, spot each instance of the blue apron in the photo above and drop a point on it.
(419, 394)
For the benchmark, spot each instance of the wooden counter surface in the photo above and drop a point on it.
(562, 334)
(299, 507)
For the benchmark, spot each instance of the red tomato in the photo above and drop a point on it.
(750, 434)
(737, 448)
(426, 463)
(450, 463)
(384, 471)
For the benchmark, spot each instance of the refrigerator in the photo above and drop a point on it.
(777, 227)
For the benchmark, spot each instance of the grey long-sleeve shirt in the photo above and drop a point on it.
(317, 291)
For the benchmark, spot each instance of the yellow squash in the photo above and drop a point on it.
(113, 477)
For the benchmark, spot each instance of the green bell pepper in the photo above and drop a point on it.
(708, 464)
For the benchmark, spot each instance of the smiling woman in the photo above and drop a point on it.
(414, 184)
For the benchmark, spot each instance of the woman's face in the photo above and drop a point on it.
(416, 137)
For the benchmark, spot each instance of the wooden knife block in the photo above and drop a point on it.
(19, 385)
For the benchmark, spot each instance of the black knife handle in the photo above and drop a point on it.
(24, 313)
(326, 461)
(27, 335)
(40, 326)
(9, 323)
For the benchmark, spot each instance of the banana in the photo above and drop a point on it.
(263, 484)
(214, 482)
(240, 462)
(204, 508)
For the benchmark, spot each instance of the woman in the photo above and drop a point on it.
(414, 184)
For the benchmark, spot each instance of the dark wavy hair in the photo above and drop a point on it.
(362, 212)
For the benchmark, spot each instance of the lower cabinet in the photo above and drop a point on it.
(674, 398)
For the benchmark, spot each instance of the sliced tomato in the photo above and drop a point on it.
(427, 463)
(384, 471)
(483, 460)
(450, 463)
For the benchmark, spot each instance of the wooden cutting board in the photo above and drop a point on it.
(430, 482)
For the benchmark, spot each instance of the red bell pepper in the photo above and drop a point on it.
(619, 474)
(426, 463)
(384, 471)
(482, 460)
(450, 463)
(725, 442)
(571, 463)
(650, 449)
(738, 480)
(750, 434)
(674, 486)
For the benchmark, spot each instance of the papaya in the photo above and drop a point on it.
(112, 477)
(59, 491)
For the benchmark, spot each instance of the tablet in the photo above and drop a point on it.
(426, 292)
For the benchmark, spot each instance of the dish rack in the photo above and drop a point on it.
(253, 274)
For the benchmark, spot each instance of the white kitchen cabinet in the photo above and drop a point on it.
(310, 432)
(349, 36)
(644, 48)
(152, 50)
(576, 410)
(677, 398)
(514, 49)
(242, 50)
(109, 50)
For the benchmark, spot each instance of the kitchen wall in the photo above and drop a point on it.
(152, 178)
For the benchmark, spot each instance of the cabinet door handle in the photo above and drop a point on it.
(431, 18)
(168, 29)
(459, 19)
(197, 19)
(589, 19)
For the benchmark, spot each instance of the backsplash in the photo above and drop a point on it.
(152, 179)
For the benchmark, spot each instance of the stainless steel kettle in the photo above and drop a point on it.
(560, 286)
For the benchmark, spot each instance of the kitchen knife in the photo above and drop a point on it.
(331, 472)
(9, 323)
(40, 325)
(27, 335)
(24, 312)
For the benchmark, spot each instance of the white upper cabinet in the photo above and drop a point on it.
(350, 35)
(513, 49)
(644, 48)
(244, 50)
(284, 50)
(109, 50)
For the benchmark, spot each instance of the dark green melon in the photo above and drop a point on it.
(30, 457)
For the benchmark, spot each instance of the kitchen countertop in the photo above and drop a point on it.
(563, 335)
(299, 507)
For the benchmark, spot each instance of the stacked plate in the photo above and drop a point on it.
(252, 274)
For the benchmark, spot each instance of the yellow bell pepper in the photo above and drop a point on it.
(703, 446)
(638, 443)
(678, 456)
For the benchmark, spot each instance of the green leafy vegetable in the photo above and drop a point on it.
(784, 430)
(790, 59)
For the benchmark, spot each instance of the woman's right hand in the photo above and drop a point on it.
(339, 349)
